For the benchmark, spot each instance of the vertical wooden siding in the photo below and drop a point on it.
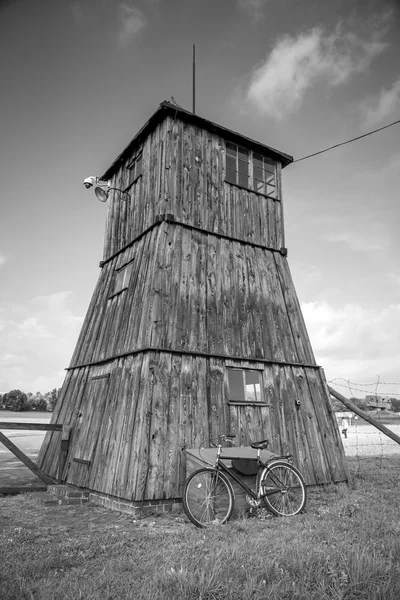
(194, 291)
(157, 404)
(184, 174)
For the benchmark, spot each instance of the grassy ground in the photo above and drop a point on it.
(346, 546)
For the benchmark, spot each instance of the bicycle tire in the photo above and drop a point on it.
(283, 489)
(208, 498)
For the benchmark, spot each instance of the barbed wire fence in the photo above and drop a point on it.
(366, 446)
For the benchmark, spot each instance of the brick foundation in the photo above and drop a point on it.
(137, 509)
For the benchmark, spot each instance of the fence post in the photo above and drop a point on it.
(364, 415)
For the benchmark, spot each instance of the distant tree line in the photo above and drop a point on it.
(19, 401)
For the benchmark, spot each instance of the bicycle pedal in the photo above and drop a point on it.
(253, 502)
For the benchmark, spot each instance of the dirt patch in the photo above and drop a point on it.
(79, 519)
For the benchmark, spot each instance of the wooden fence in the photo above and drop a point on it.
(65, 433)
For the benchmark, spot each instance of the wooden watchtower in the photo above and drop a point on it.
(194, 328)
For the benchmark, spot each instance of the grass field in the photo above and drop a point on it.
(346, 546)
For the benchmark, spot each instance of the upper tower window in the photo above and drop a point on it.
(250, 170)
(135, 169)
(237, 165)
(264, 180)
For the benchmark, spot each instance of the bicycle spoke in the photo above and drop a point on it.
(208, 498)
(283, 489)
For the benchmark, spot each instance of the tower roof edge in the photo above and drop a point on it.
(168, 108)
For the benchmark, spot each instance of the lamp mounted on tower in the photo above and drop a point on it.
(102, 188)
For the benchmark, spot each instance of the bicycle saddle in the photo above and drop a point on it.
(260, 445)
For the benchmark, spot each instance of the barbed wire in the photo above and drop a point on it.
(350, 385)
(366, 447)
(365, 384)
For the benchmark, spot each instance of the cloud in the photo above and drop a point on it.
(253, 8)
(37, 341)
(354, 342)
(278, 85)
(132, 21)
(2, 259)
(385, 104)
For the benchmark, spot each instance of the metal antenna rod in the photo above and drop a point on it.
(194, 79)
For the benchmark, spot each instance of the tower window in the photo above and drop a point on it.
(135, 169)
(237, 165)
(264, 180)
(250, 170)
(121, 279)
(245, 386)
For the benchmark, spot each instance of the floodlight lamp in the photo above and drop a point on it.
(101, 193)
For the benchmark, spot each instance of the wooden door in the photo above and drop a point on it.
(87, 430)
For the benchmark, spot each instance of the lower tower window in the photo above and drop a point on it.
(245, 386)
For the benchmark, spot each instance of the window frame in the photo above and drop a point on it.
(252, 156)
(243, 401)
(126, 276)
(135, 169)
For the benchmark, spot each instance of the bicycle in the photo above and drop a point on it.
(208, 495)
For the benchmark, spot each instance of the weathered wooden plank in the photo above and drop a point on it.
(130, 433)
(217, 408)
(31, 426)
(182, 334)
(212, 295)
(186, 401)
(299, 332)
(280, 228)
(193, 291)
(123, 337)
(187, 199)
(139, 451)
(314, 433)
(269, 330)
(137, 310)
(156, 478)
(304, 444)
(174, 478)
(172, 279)
(280, 316)
(328, 428)
(148, 290)
(90, 344)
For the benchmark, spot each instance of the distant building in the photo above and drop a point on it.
(378, 402)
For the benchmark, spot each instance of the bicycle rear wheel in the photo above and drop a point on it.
(208, 498)
(283, 489)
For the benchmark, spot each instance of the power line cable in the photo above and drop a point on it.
(347, 142)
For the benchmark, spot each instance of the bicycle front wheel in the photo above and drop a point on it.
(208, 498)
(283, 489)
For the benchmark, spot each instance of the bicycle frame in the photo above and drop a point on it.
(220, 466)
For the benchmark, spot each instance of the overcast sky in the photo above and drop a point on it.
(79, 78)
